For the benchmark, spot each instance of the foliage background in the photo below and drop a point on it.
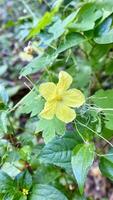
(40, 158)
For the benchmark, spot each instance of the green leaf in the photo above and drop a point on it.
(82, 159)
(44, 192)
(50, 127)
(3, 122)
(104, 32)
(4, 98)
(105, 4)
(50, 171)
(10, 169)
(6, 182)
(44, 21)
(106, 165)
(3, 95)
(77, 196)
(105, 38)
(71, 40)
(104, 101)
(59, 27)
(31, 103)
(59, 150)
(83, 22)
(3, 69)
(24, 180)
(38, 63)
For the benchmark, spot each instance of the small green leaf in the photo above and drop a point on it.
(44, 21)
(83, 22)
(44, 192)
(4, 98)
(105, 38)
(104, 101)
(106, 165)
(32, 103)
(3, 122)
(50, 127)
(82, 159)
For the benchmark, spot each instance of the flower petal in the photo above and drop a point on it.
(64, 113)
(73, 98)
(65, 81)
(47, 90)
(49, 110)
(25, 56)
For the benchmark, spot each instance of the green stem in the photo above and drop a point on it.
(95, 133)
(28, 8)
(79, 133)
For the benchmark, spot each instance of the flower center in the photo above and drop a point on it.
(59, 98)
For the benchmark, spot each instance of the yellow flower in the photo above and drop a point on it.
(25, 191)
(60, 99)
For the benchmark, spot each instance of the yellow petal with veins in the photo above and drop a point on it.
(65, 81)
(73, 98)
(48, 90)
(49, 110)
(64, 113)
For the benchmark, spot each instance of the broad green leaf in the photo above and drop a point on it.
(31, 103)
(82, 159)
(50, 171)
(50, 128)
(58, 151)
(38, 63)
(71, 40)
(44, 192)
(106, 165)
(83, 22)
(83, 70)
(104, 101)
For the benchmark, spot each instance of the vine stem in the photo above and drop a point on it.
(28, 8)
(95, 133)
(103, 155)
(79, 133)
